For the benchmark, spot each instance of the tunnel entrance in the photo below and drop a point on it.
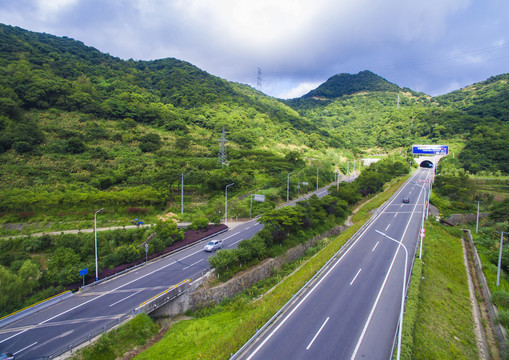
(426, 164)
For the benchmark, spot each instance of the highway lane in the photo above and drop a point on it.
(58, 326)
(352, 310)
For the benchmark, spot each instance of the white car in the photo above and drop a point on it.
(213, 245)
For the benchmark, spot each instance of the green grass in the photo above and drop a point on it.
(444, 325)
(115, 343)
(411, 310)
(222, 333)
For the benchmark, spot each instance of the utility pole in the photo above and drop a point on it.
(226, 204)
(500, 255)
(317, 178)
(477, 221)
(223, 157)
(182, 195)
(288, 187)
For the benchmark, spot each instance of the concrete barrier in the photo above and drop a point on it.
(6, 320)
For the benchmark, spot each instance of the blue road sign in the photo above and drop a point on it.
(430, 149)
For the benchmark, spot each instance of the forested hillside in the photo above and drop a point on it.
(366, 111)
(81, 129)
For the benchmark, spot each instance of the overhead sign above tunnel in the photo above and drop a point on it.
(430, 149)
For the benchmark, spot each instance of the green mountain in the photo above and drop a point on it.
(348, 84)
(341, 85)
(81, 129)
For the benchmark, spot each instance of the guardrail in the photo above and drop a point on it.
(297, 295)
(146, 307)
(163, 297)
(6, 320)
(322, 270)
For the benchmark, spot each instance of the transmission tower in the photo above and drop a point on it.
(222, 157)
(259, 80)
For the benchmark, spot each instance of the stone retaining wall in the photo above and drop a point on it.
(196, 296)
(486, 295)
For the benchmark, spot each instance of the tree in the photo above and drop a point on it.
(30, 275)
(168, 232)
(150, 142)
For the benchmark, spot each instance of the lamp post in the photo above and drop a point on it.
(95, 235)
(477, 221)
(182, 195)
(500, 256)
(317, 178)
(400, 328)
(288, 187)
(226, 203)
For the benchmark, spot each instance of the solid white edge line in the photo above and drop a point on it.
(354, 354)
(318, 333)
(313, 288)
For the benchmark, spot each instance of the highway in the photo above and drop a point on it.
(351, 311)
(56, 327)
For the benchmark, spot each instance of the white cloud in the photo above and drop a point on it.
(298, 91)
(401, 40)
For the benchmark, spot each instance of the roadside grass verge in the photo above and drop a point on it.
(117, 342)
(411, 309)
(444, 327)
(219, 332)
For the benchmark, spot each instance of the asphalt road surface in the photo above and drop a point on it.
(56, 327)
(352, 310)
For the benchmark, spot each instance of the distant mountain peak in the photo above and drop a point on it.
(347, 84)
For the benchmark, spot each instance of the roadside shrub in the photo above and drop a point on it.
(500, 298)
(200, 223)
(503, 317)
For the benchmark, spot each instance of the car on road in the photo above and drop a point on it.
(406, 200)
(213, 245)
(6, 356)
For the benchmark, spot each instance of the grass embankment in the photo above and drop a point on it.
(216, 333)
(442, 315)
(230, 325)
(117, 342)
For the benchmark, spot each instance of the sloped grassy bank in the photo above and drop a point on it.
(438, 315)
(438, 318)
(217, 332)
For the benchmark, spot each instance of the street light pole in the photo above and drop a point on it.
(317, 178)
(182, 195)
(400, 328)
(95, 235)
(500, 256)
(477, 221)
(226, 203)
(288, 187)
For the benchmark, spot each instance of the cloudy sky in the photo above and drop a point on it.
(291, 46)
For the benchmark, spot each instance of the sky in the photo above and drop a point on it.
(286, 48)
